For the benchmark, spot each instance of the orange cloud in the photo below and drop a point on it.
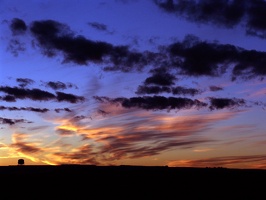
(118, 135)
(252, 161)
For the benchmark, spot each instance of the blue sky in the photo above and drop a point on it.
(177, 83)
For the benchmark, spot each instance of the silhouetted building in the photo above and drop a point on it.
(20, 161)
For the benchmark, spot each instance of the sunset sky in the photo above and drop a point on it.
(133, 82)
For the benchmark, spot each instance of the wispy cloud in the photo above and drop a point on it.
(251, 161)
(122, 136)
(36, 94)
(9, 121)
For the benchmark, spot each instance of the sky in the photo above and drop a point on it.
(133, 82)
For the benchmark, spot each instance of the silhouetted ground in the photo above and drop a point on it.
(131, 182)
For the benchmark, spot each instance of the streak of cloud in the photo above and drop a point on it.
(23, 82)
(220, 103)
(21, 145)
(122, 136)
(98, 26)
(226, 161)
(12, 121)
(58, 85)
(36, 94)
(154, 102)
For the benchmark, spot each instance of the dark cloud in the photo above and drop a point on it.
(192, 56)
(61, 96)
(256, 24)
(12, 121)
(154, 102)
(9, 98)
(163, 79)
(41, 110)
(6, 121)
(174, 90)
(214, 88)
(250, 63)
(18, 26)
(220, 12)
(221, 103)
(122, 59)
(198, 58)
(62, 109)
(185, 91)
(22, 93)
(39, 95)
(54, 38)
(142, 89)
(225, 13)
(58, 85)
(172, 103)
(23, 82)
(38, 110)
(158, 83)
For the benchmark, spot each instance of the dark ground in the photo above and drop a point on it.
(131, 182)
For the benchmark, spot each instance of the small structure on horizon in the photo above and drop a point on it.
(20, 161)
